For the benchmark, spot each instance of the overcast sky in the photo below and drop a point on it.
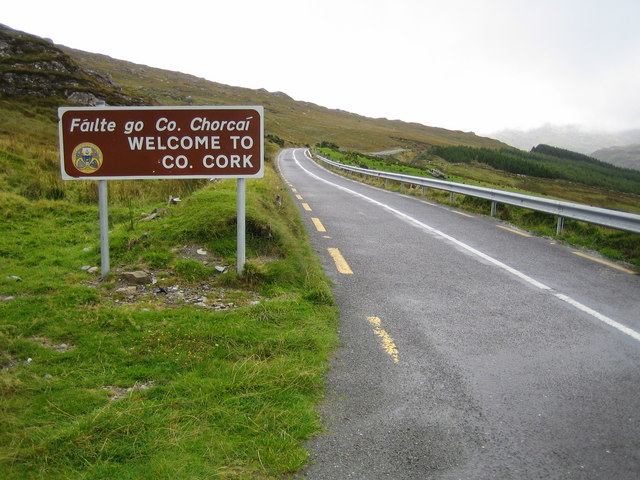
(472, 65)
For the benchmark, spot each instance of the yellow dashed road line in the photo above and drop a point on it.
(514, 231)
(609, 264)
(318, 224)
(298, 196)
(462, 213)
(385, 339)
(341, 263)
(306, 207)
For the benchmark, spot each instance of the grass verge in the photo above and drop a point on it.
(100, 379)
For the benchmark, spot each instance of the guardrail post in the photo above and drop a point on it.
(451, 197)
(494, 208)
(560, 226)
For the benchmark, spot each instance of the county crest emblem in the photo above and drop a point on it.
(87, 157)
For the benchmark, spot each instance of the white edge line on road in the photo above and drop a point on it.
(603, 318)
(532, 281)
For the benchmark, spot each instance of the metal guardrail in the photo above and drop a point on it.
(615, 219)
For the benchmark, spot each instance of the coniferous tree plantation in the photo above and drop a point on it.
(545, 161)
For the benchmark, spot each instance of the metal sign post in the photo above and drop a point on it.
(129, 143)
(241, 220)
(105, 268)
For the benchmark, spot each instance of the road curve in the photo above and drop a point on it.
(468, 350)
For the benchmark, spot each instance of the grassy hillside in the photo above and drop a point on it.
(296, 122)
(36, 77)
(198, 374)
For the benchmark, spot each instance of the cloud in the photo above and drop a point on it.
(475, 65)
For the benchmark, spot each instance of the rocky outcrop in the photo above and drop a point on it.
(33, 67)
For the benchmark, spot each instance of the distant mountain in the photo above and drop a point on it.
(627, 156)
(295, 122)
(37, 73)
(569, 137)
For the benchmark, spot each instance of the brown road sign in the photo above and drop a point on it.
(109, 143)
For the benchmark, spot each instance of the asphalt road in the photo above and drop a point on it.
(467, 350)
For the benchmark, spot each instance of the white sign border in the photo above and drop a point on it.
(258, 108)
